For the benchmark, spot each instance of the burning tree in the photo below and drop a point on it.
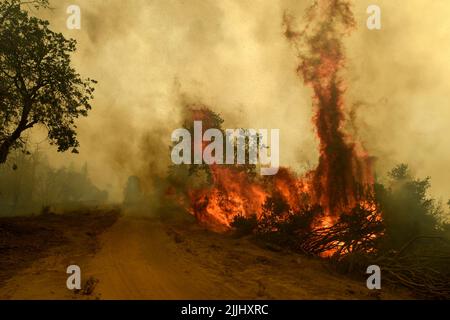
(282, 207)
(216, 193)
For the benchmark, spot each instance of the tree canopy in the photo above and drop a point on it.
(38, 85)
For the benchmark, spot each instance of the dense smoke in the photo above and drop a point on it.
(232, 55)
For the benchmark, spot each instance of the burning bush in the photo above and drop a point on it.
(356, 231)
(284, 226)
(244, 225)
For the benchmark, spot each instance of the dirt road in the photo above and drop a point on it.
(139, 260)
(143, 258)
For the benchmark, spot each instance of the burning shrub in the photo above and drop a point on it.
(275, 211)
(284, 226)
(356, 231)
(244, 225)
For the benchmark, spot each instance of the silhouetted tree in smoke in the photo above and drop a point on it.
(36, 184)
(37, 83)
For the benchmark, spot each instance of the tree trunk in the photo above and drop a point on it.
(4, 150)
(5, 147)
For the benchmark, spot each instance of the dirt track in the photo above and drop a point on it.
(140, 261)
(143, 258)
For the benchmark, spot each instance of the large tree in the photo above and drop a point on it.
(38, 85)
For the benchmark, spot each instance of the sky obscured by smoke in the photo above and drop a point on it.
(152, 57)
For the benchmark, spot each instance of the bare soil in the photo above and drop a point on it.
(33, 249)
(138, 257)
